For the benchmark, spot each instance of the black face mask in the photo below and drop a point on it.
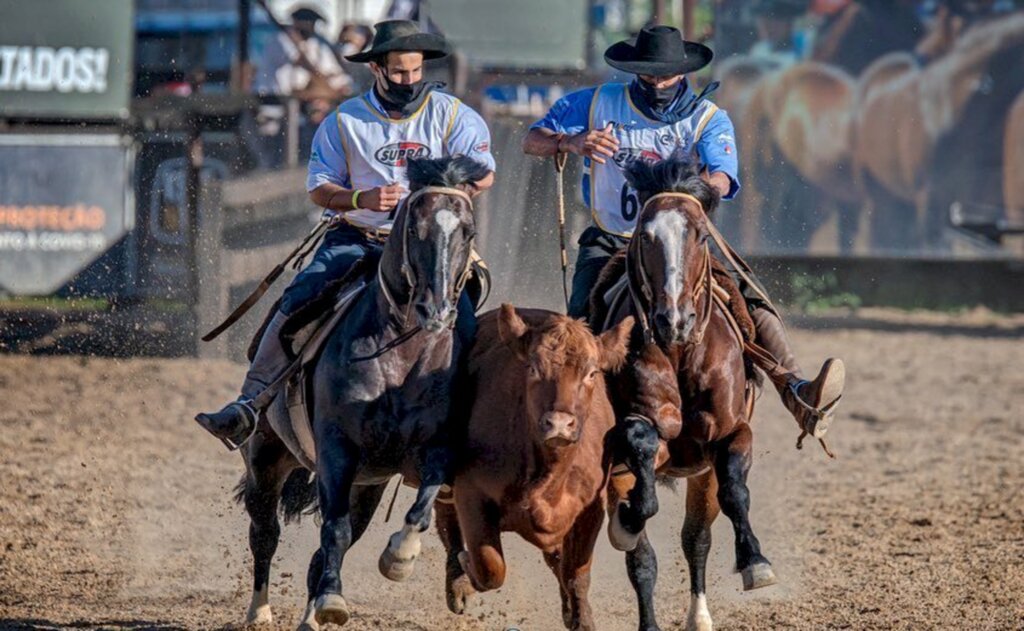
(657, 98)
(399, 96)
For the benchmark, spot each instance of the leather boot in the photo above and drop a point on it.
(812, 403)
(236, 422)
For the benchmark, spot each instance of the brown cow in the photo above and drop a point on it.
(534, 452)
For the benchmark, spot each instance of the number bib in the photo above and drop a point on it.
(613, 202)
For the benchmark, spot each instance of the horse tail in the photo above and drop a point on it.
(298, 494)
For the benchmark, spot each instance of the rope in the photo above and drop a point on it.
(560, 160)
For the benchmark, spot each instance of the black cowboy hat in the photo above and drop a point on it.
(402, 36)
(658, 51)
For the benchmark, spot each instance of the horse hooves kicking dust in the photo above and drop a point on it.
(398, 560)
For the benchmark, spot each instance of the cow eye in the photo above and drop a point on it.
(533, 372)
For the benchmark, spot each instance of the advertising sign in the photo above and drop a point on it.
(65, 58)
(64, 201)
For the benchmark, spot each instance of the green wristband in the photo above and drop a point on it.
(355, 199)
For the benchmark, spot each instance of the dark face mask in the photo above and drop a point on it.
(657, 98)
(400, 95)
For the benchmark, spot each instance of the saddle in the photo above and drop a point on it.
(308, 329)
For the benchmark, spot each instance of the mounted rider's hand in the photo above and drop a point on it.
(381, 199)
(596, 144)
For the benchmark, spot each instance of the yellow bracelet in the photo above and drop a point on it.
(355, 199)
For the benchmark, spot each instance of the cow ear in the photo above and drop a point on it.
(614, 345)
(513, 331)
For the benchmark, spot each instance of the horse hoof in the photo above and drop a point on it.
(309, 622)
(620, 538)
(458, 594)
(393, 568)
(259, 616)
(757, 576)
(332, 608)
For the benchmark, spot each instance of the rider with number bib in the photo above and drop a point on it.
(657, 116)
(357, 174)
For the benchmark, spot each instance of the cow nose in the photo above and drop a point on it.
(558, 428)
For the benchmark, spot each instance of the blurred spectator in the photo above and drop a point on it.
(777, 38)
(412, 10)
(855, 33)
(297, 63)
(352, 39)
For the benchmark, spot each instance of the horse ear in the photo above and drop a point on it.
(614, 345)
(512, 330)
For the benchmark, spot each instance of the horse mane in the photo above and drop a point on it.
(450, 171)
(674, 175)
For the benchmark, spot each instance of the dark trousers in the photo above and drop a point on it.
(597, 247)
(341, 248)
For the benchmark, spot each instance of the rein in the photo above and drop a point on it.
(560, 160)
(400, 314)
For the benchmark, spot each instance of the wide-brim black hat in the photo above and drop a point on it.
(402, 36)
(658, 51)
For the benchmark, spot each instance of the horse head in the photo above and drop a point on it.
(431, 241)
(564, 363)
(668, 260)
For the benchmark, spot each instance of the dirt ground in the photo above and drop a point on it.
(115, 508)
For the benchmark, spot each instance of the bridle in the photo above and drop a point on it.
(703, 288)
(403, 315)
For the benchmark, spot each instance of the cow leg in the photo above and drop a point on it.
(637, 447)
(553, 559)
(577, 556)
(337, 464)
(732, 462)
(457, 587)
(399, 557)
(268, 464)
(483, 560)
(701, 510)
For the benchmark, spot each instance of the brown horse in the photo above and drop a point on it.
(668, 267)
(1013, 170)
(914, 128)
(535, 460)
(794, 140)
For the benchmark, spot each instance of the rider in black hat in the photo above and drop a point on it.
(654, 117)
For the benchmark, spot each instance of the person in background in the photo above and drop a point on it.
(854, 33)
(352, 39)
(297, 63)
(775, 30)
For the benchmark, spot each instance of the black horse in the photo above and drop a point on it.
(381, 392)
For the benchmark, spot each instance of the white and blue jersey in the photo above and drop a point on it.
(706, 135)
(361, 148)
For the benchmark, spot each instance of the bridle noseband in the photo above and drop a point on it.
(406, 268)
(645, 282)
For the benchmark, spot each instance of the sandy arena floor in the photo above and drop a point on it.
(115, 508)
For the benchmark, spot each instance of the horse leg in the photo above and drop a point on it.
(642, 568)
(732, 462)
(701, 510)
(457, 587)
(337, 463)
(399, 557)
(268, 464)
(363, 502)
(483, 560)
(637, 446)
(574, 573)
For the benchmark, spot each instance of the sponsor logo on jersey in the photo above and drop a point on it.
(482, 147)
(625, 157)
(397, 154)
